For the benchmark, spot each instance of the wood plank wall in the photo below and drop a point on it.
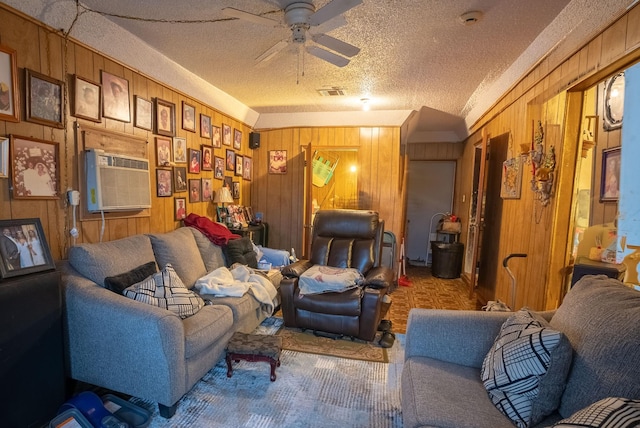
(542, 94)
(47, 52)
(281, 196)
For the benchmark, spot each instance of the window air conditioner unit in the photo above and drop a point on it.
(116, 182)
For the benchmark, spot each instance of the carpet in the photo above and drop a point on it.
(295, 339)
(311, 390)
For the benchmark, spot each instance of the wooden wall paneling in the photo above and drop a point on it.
(613, 40)
(633, 29)
(365, 171)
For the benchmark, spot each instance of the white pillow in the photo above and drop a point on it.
(525, 371)
(326, 279)
(164, 289)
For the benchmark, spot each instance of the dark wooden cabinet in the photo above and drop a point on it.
(257, 233)
(32, 376)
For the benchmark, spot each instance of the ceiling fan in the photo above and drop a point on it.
(305, 22)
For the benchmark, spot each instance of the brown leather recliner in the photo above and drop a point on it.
(343, 239)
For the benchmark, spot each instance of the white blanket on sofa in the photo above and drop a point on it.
(236, 282)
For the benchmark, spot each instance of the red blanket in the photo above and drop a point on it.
(216, 232)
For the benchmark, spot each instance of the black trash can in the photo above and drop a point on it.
(446, 259)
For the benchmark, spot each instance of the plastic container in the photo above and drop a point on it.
(446, 259)
(135, 416)
(70, 418)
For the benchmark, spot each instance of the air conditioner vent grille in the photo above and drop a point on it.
(333, 91)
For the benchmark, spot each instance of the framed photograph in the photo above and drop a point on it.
(194, 190)
(238, 170)
(143, 114)
(165, 118)
(227, 182)
(9, 109)
(277, 161)
(180, 179)
(86, 99)
(216, 136)
(179, 150)
(246, 168)
(35, 168)
(511, 185)
(231, 160)
(44, 99)
(249, 212)
(188, 116)
(222, 214)
(207, 189)
(23, 248)
(4, 157)
(164, 182)
(163, 151)
(218, 167)
(207, 158)
(180, 208)
(226, 134)
(115, 97)
(237, 139)
(194, 160)
(205, 126)
(235, 190)
(610, 180)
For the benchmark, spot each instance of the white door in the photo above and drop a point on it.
(430, 187)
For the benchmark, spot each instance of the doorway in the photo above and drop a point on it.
(430, 186)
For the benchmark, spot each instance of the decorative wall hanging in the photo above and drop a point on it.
(543, 166)
(511, 178)
(589, 136)
(610, 180)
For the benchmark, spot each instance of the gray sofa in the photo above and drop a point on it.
(139, 349)
(441, 381)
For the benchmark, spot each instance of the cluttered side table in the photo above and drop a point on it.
(258, 233)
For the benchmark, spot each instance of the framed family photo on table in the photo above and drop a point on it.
(35, 168)
(23, 248)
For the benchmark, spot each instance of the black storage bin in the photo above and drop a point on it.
(446, 259)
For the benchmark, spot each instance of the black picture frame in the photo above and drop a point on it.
(610, 179)
(44, 99)
(26, 250)
(179, 179)
(235, 190)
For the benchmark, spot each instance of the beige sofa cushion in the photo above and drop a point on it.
(179, 248)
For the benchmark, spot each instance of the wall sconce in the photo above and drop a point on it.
(543, 166)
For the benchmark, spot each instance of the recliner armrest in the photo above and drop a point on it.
(379, 277)
(296, 269)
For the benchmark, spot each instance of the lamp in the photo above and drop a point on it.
(223, 195)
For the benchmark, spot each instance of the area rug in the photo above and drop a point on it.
(311, 390)
(295, 339)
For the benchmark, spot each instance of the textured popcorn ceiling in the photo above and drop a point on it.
(415, 55)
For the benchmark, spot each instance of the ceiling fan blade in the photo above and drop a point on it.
(246, 16)
(329, 25)
(331, 10)
(272, 51)
(334, 44)
(334, 59)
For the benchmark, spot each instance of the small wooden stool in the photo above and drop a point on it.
(254, 347)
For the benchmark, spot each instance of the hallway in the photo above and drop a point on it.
(428, 292)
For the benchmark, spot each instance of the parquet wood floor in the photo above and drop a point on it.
(427, 291)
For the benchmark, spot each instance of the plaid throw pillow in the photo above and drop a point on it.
(164, 289)
(525, 370)
(610, 412)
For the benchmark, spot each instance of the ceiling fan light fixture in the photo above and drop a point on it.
(470, 18)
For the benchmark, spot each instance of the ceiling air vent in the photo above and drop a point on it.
(332, 91)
